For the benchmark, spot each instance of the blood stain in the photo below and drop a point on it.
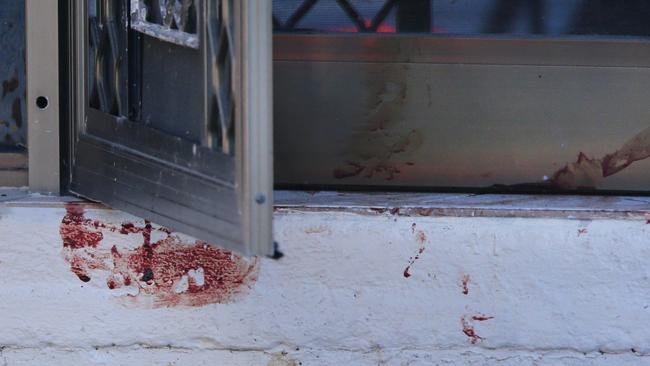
(481, 318)
(582, 231)
(77, 231)
(168, 272)
(424, 211)
(352, 169)
(468, 327)
(421, 237)
(407, 270)
(465, 282)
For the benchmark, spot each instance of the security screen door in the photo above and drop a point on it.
(173, 114)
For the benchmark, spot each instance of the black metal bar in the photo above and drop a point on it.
(353, 14)
(297, 15)
(414, 16)
(277, 24)
(382, 14)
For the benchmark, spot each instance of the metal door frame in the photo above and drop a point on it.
(42, 58)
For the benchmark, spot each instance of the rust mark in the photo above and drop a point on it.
(465, 283)
(413, 226)
(468, 326)
(582, 231)
(167, 272)
(394, 211)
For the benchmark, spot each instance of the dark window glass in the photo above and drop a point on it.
(466, 17)
(12, 75)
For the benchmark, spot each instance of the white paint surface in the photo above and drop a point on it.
(562, 292)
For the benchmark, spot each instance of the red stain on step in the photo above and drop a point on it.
(468, 326)
(465, 283)
(421, 237)
(78, 231)
(412, 260)
(582, 231)
(481, 318)
(162, 273)
(469, 331)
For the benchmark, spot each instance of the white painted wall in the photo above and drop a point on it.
(560, 291)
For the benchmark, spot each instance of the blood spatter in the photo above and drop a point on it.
(584, 173)
(471, 333)
(421, 211)
(111, 284)
(77, 231)
(382, 146)
(635, 149)
(588, 172)
(468, 327)
(178, 274)
(351, 169)
(168, 272)
(465, 283)
(128, 228)
(407, 270)
(421, 237)
(481, 318)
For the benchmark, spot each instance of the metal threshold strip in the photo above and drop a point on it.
(467, 205)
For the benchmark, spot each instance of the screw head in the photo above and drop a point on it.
(260, 199)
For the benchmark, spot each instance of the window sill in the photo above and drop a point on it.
(467, 205)
(417, 204)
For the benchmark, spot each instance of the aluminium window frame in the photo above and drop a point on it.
(328, 52)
